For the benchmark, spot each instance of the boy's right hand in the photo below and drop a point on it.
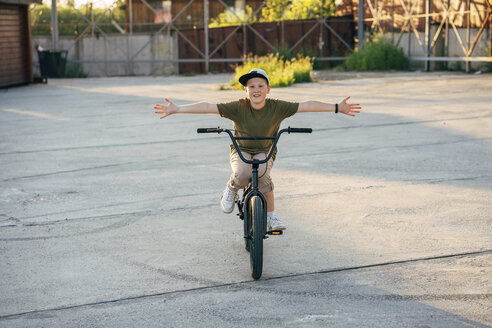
(167, 110)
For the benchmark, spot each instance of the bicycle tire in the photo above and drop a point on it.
(247, 240)
(246, 209)
(256, 234)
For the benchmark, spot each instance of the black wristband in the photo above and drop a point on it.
(336, 108)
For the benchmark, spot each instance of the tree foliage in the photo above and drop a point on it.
(276, 10)
(233, 17)
(71, 21)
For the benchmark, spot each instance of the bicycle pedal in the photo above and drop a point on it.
(276, 232)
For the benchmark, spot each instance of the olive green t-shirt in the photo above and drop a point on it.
(250, 122)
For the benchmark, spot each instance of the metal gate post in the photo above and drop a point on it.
(205, 27)
(93, 34)
(393, 21)
(54, 25)
(282, 32)
(130, 37)
(360, 24)
(446, 36)
(427, 34)
(467, 63)
(244, 41)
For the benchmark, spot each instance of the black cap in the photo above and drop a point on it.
(255, 72)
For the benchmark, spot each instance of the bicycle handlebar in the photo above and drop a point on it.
(299, 130)
(288, 130)
(270, 153)
(209, 130)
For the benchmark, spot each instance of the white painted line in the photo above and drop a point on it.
(42, 115)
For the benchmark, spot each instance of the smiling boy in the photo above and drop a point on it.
(258, 116)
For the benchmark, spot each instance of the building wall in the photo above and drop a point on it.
(191, 17)
(395, 11)
(412, 48)
(15, 50)
(111, 56)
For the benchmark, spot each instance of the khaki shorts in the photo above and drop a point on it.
(242, 172)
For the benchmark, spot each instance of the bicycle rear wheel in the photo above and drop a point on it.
(256, 234)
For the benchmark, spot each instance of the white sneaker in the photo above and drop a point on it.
(273, 223)
(228, 199)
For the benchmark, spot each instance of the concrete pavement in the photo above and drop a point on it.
(109, 216)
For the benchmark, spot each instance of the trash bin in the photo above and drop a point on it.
(52, 62)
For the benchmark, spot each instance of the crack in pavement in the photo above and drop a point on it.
(67, 171)
(124, 219)
(134, 217)
(437, 180)
(168, 273)
(299, 155)
(248, 282)
(87, 218)
(114, 205)
(18, 221)
(405, 123)
(107, 146)
(368, 149)
(202, 139)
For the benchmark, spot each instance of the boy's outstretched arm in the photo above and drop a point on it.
(196, 108)
(319, 106)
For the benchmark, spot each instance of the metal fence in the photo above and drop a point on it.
(433, 22)
(428, 30)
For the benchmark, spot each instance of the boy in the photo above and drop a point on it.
(257, 116)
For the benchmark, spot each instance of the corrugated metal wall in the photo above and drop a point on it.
(15, 54)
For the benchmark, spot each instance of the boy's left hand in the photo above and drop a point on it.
(348, 109)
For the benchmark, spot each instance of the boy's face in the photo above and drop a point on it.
(257, 90)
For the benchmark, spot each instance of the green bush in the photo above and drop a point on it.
(302, 67)
(487, 67)
(378, 54)
(281, 72)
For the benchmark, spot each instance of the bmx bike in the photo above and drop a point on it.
(253, 205)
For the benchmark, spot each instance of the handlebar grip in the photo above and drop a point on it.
(300, 130)
(209, 130)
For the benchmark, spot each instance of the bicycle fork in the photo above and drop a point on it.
(243, 214)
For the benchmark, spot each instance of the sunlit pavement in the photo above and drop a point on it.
(109, 216)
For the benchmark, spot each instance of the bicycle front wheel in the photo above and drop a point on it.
(256, 233)
(247, 226)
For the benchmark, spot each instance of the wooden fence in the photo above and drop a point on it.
(308, 37)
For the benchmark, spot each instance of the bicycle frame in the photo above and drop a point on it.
(255, 163)
(270, 153)
(255, 223)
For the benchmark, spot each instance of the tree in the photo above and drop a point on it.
(71, 20)
(276, 10)
(233, 17)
